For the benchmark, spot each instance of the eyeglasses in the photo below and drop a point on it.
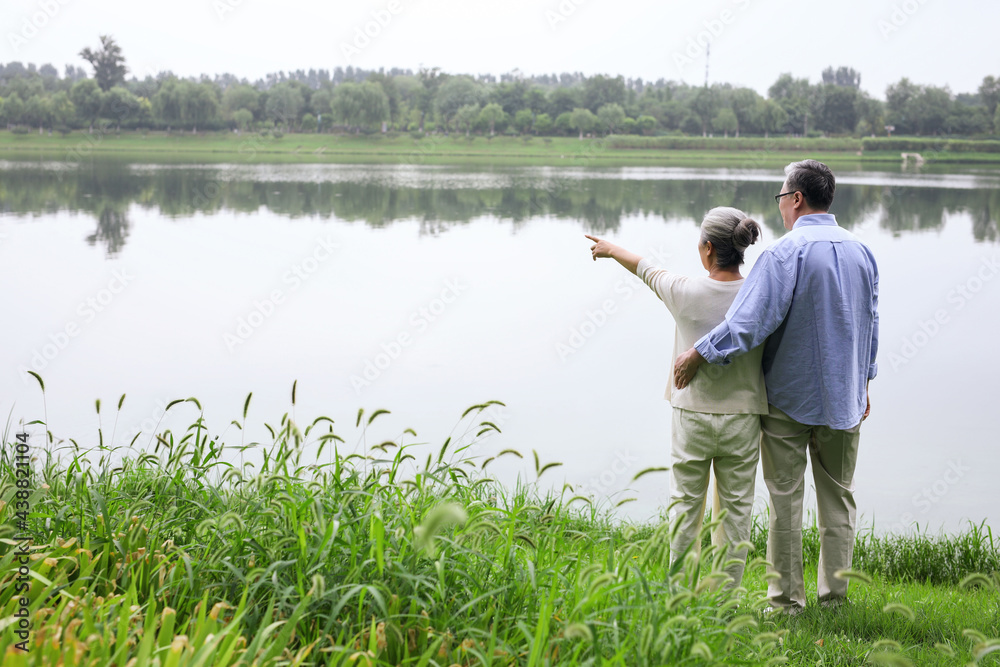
(777, 198)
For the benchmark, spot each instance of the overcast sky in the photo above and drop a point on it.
(751, 41)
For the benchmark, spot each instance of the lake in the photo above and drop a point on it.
(424, 290)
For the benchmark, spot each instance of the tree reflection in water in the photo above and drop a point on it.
(107, 190)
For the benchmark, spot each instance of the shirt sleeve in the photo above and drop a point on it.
(666, 284)
(758, 310)
(872, 366)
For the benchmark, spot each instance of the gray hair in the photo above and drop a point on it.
(731, 233)
(814, 180)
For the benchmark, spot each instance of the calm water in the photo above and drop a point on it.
(425, 290)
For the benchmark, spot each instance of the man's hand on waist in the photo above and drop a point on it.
(686, 367)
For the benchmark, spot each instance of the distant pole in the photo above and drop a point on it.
(707, 49)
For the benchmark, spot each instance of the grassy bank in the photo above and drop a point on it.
(410, 554)
(440, 149)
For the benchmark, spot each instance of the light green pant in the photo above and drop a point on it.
(784, 445)
(730, 444)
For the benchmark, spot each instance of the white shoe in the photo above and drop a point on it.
(793, 610)
(833, 603)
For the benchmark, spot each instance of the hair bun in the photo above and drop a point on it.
(746, 233)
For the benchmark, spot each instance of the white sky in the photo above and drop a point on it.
(929, 41)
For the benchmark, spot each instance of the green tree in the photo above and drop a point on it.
(308, 123)
(430, 80)
(319, 104)
(243, 118)
(119, 104)
(772, 117)
(846, 77)
(201, 104)
(13, 110)
(535, 100)
(510, 96)
(564, 123)
(466, 117)
(646, 124)
(871, 115)
(899, 104)
(600, 90)
(455, 93)
(360, 104)
(240, 96)
(794, 96)
(543, 124)
(745, 103)
(996, 121)
(388, 84)
(705, 105)
(491, 114)
(564, 100)
(523, 121)
(108, 63)
(725, 121)
(88, 99)
(38, 111)
(611, 116)
(989, 93)
(284, 104)
(582, 120)
(168, 102)
(63, 109)
(839, 112)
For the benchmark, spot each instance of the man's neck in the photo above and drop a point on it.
(809, 212)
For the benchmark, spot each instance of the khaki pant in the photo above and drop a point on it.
(784, 444)
(730, 444)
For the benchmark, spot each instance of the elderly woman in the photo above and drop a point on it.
(716, 418)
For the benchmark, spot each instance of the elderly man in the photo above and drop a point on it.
(812, 301)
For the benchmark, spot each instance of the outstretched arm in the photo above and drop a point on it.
(602, 248)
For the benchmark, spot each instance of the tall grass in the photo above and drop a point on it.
(400, 554)
(179, 557)
(921, 557)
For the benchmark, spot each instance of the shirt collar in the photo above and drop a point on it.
(815, 219)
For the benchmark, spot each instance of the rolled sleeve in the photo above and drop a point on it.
(711, 353)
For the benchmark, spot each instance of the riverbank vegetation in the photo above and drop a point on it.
(319, 551)
(360, 101)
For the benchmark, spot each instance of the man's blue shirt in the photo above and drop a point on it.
(812, 300)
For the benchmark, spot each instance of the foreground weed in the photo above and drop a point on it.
(396, 554)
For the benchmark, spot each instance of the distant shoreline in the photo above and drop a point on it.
(403, 148)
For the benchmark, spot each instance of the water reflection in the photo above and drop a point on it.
(442, 197)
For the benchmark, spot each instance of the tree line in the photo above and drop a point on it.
(429, 100)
